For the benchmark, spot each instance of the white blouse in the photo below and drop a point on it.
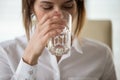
(89, 60)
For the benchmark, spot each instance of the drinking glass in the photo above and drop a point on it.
(61, 44)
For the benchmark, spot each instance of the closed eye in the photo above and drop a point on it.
(47, 7)
(68, 6)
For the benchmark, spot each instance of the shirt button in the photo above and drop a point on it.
(30, 72)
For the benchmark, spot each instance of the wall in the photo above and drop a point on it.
(108, 9)
(10, 19)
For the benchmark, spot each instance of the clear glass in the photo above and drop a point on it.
(61, 43)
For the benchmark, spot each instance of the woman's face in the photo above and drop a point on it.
(42, 7)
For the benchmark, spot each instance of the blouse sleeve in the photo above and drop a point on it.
(109, 69)
(23, 71)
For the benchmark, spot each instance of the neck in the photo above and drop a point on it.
(58, 58)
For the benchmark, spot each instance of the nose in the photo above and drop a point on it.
(58, 12)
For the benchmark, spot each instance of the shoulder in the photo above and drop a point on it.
(18, 40)
(99, 55)
(94, 46)
(11, 51)
(13, 45)
(94, 43)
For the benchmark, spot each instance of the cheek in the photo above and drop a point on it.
(74, 13)
(39, 15)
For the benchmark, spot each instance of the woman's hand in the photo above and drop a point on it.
(47, 27)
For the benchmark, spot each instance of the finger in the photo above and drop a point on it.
(55, 21)
(52, 27)
(45, 18)
(51, 34)
(55, 24)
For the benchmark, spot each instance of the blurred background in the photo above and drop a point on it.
(11, 21)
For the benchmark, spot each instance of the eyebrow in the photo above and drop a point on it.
(68, 1)
(47, 2)
(52, 3)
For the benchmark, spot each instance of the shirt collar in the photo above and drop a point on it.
(76, 45)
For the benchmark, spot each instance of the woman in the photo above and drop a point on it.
(28, 59)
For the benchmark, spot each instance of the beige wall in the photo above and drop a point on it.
(100, 30)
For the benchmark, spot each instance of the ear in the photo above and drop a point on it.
(32, 11)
